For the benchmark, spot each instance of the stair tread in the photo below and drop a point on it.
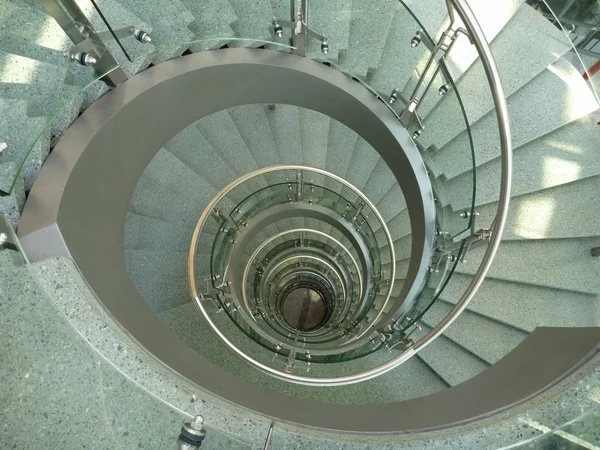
(570, 94)
(12, 205)
(340, 145)
(526, 306)
(556, 263)
(211, 19)
(331, 19)
(451, 362)
(540, 46)
(20, 132)
(487, 339)
(253, 21)
(285, 126)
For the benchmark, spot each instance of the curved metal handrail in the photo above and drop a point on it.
(478, 38)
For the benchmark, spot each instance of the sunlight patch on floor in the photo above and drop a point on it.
(534, 218)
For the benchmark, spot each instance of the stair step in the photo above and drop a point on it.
(392, 203)
(398, 227)
(12, 205)
(161, 296)
(341, 142)
(21, 132)
(168, 179)
(211, 19)
(554, 263)
(254, 21)
(190, 147)
(364, 159)
(548, 213)
(487, 339)
(285, 127)
(331, 19)
(169, 21)
(147, 233)
(380, 182)
(549, 161)
(42, 85)
(10, 259)
(314, 136)
(539, 45)
(449, 360)
(526, 306)
(570, 94)
(220, 131)
(253, 126)
(366, 39)
(147, 266)
(398, 59)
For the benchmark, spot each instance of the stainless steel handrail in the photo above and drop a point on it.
(478, 38)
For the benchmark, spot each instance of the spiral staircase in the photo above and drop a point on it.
(282, 216)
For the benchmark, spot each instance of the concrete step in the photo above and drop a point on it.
(43, 86)
(392, 203)
(555, 263)
(570, 100)
(412, 380)
(149, 266)
(285, 127)
(398, 60)
(211, 19)
(12, 205)
(450, 361)
(314, 137)
(548, 213)
(518, 41)
(485, 338)
(526, 306)
(341, 143)
(366, 38)
(28, 141)
(221, 133)
(380, 182)
(399, 227)
(331, 19)
(254, 21)
(192, 148)
(364, 159)
(253, 126)
(562, 156)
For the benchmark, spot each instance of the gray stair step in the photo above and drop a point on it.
(555, 263)
(192, 148)
(220, 131)
(314, 137)
(450, 361)
(413, 379)
(364, 159)
(341, 143)
(161, 296)
(147, 233)
(487, 339)
(21, 132)
(169, 21)
(368, 26)
(398, 227)
(211, 19)
(285, 126)
(562, 156)
(526, 306)
(331, 19)
(253, 126)
(53, 41)
(12, 205)
(392, 203)
(570, 100)
(398, 59)
(548, 213)
(174, 189)
(254, 21)
(540, 46)
(148, 266)
(42, 85)
(10, 259)
(380, 182)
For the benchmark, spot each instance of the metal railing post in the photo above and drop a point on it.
(76, 25)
